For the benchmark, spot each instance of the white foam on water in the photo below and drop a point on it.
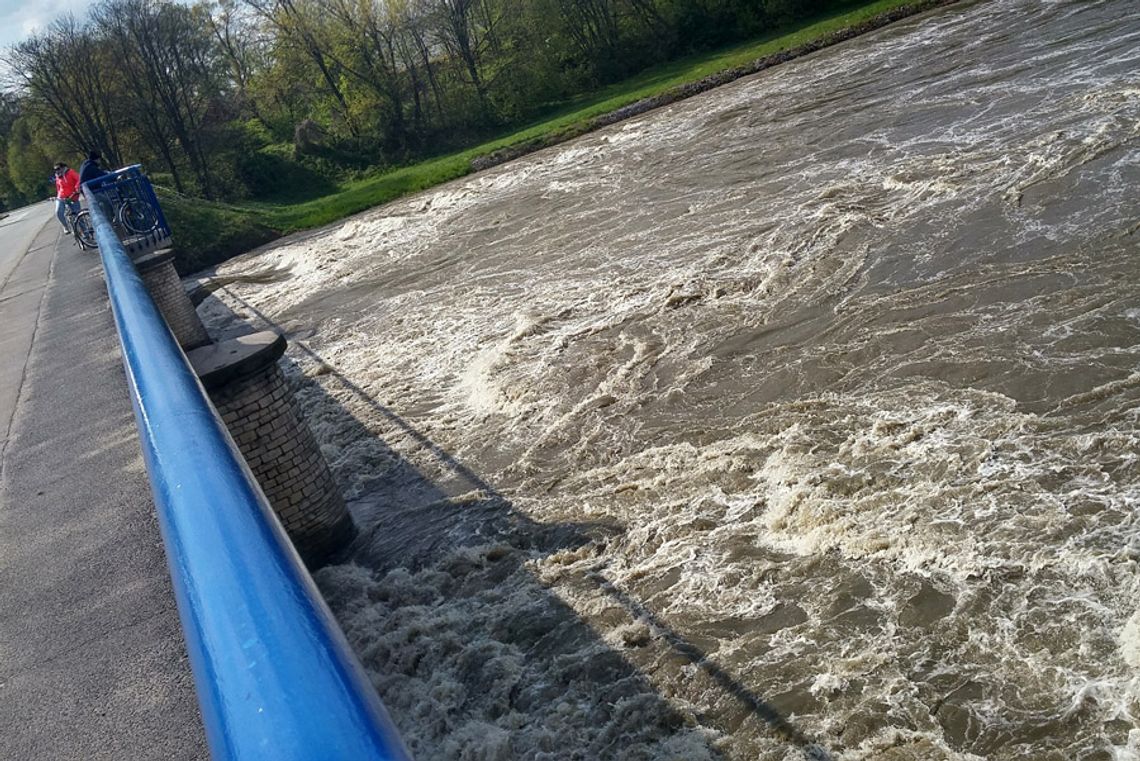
(1130, 641)
(816, 393)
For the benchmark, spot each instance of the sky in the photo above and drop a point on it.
(19, 18)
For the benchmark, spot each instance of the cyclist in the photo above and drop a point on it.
(66, 194)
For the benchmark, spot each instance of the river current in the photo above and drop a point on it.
(799, 419)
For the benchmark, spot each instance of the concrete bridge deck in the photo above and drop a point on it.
(92, 661)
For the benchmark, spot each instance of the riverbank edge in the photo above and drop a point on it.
(207, 234)
(685, 91)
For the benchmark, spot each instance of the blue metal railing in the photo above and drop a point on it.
(276, 679)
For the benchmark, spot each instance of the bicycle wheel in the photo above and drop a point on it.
(137, 216)
(83, 229)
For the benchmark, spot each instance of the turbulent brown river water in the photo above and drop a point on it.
(796, 420)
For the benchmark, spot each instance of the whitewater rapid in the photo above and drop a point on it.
(797, 419)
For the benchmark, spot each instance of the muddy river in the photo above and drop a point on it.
(800, 419)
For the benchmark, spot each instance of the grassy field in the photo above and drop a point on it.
(207, 233)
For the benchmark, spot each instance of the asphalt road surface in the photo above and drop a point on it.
(92, 661)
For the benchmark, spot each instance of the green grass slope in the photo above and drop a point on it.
(207, 233)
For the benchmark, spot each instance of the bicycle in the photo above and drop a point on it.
(82, 230)
(128, 212)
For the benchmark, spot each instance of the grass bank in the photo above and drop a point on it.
(207, 233)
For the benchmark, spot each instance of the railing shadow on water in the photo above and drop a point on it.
(410, 523)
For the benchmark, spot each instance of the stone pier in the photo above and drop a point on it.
(249, 391)
(161, 279)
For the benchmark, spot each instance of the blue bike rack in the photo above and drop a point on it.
(275, 677)
(130, 182)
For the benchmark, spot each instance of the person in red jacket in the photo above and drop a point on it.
(66, 194)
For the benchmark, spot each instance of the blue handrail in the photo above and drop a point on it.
(276, 679)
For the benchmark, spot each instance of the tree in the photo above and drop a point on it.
(241, 46)
(296, 24)
(171, 63)
(28, 165)
(365, 48)
(9, 113)
(453, 29)
(63, 71)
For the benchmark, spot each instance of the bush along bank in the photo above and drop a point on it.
(207, 233)
(688, 90)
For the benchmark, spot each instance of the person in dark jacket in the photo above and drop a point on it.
(90, 168)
